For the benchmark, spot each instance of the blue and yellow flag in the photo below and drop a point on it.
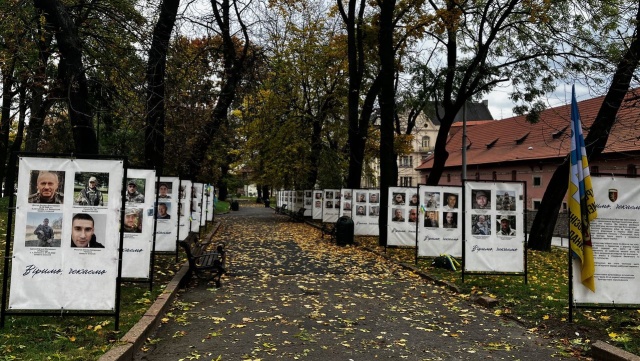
(582, 203)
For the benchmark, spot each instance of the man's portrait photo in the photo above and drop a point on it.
(398, 198)
(432, 200)
(398, 215)
(43, 230)
(46, 187)
(481, 199)
(135, 190)
(361, 197)
(133, 219)
(164, 190)
(505, 200)
(431, 219)
(93, 188)
(451, 201)
(87, 230)
(374, 198)
(374, 211)
(163, 211)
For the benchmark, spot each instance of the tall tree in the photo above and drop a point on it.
(71, 72)
(480, 44)
(227, 15)
(595, 143)
(156, 69)
(388, 165)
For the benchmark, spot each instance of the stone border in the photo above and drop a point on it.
(135, 338)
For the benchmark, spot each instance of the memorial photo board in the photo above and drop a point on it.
(167, 214)
(138, 223)
(66, 246)
(402, 216)
(440, 224)
(366, 212)
(494, 227)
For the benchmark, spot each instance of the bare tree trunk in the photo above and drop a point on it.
(388, 165)
(71, 74)
(595, 142)
(156, 69)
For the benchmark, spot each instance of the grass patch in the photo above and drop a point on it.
(542, 304)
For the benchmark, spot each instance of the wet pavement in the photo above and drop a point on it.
(290, 295)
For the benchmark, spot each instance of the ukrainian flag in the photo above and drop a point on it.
(582, 204)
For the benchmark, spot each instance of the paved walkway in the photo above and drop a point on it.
(291, 296)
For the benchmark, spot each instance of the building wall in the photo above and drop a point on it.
(536, 174)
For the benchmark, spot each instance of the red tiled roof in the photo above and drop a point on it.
(515, 139)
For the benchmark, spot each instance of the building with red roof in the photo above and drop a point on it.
(514, 149)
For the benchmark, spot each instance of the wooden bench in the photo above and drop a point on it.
(282, 209)
(299, 215)
(204, 262)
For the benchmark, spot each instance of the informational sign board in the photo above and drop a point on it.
(317, 203)
(331, 205)
(615, 236)
(494, 227)
(167, 219)
(402, 215)
(138, 223)
(184, 209)
(366, 211)
(440, 225)
(209, 195)
(308, 202)
(67, 234)
(196, 206)
(346, 202)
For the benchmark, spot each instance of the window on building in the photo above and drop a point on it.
(425, 141)
(449, 177)
(406, 181)
(537, 181)
(536, 204)
(632, 170)
(514, 175)
(406, 161)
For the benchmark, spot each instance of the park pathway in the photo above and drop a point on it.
(289, 295)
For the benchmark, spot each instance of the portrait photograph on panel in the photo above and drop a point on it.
(449, 219)
(506, 200)
(360, 210)
(43, 230)
(318, 204)
(318, 195)
(164, 190)
(181, 193)
(374, 211)
(88, 230)
(374, 198)
(135, 190)
(414, 200)
(347, 195)
(307, 194)
(451, 201)
(432, 200)
(480, 225)
(398, 199)
(505, 225)
(91, 189)
(133, 220)
(431, 219)
(361, 197)
(45, 186)
(328, 195)
(481, 199)
(164, 208)
(413, 215)
(398, 215)
(347, 206)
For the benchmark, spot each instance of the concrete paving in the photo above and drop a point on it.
(289, 295)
